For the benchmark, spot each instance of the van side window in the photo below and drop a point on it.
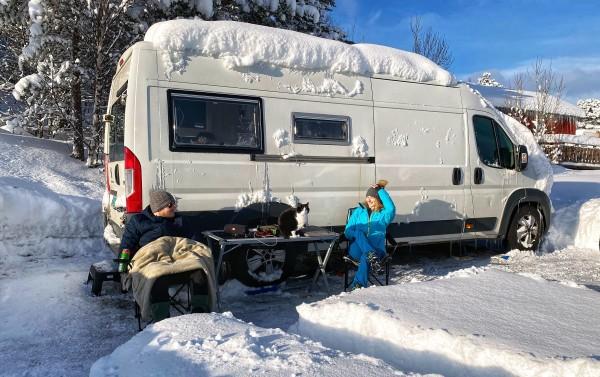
(117, 138)
(494, 146)
(214, 123)
(321, 129)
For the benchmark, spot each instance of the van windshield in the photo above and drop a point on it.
(117, 138)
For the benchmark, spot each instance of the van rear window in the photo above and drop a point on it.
(321, 129)
(117, 137)
(214, 123)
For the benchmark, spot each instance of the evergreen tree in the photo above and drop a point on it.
(72, 49)
(14, 34)
(486, 79)
(591, 106)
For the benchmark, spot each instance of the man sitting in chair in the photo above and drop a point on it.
(162, 255)
(366, 230)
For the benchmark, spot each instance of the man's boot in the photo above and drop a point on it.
(199, 300)
(160, 310)
(200, 304)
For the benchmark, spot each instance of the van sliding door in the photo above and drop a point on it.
(423, 155)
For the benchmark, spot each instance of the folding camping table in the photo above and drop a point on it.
(312, 235)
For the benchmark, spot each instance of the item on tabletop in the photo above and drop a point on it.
(267, 231)
(236, 230)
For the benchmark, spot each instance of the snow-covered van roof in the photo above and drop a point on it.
(501, 97)
(244, 45)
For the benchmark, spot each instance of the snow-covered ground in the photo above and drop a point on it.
(468, 315)
(474, 322)
(51, 231)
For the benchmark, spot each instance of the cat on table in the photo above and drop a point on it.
(293, 220)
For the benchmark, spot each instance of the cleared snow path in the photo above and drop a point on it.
(475, 323)
(50, 233)
(51, 326)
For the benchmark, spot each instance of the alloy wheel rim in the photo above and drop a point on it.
(527, 231)
(265, 261)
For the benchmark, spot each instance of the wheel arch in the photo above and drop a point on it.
(525, 196)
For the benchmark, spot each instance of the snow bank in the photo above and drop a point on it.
(29, 210)
(220, 345)
(47, 201)
(480, 323)
(575, 225)
(244, 45)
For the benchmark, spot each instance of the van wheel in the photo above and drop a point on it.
(260, 266)
(525, 229)
(257, 266)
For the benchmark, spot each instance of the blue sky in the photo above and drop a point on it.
(502, 36)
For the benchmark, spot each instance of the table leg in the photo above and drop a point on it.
(318, 271)
(218, 273)
(322, 265)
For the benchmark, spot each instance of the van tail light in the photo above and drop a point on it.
(133, 182)
(106, 172)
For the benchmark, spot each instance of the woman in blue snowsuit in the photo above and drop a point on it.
(366, 230)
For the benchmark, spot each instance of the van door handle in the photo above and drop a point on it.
(117, 178)
(478, 176)
(456, 176)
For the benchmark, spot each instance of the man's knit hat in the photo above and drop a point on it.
(160, 199)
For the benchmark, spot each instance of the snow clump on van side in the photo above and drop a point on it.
(244, 45)
(281, 137)
(360, 147)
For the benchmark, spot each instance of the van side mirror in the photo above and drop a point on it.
(108, 118)
(522, 158)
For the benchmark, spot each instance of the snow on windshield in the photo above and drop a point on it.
(245, 45)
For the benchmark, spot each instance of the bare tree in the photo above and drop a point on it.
(430, 44)
(549, 91)
(514, 101)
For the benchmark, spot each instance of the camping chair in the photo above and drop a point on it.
(180, 296)
(374, 278)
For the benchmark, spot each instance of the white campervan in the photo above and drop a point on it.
(224, 115)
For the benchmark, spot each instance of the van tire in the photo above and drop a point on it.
(525, 229)
(261, 266)
(258, 266)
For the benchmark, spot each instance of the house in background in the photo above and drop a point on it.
(564, 118)
(562, 142)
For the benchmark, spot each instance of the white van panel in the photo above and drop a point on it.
(420, 95)
(417, 151)
(213, 181)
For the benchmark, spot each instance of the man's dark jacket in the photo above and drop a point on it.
(144, 228)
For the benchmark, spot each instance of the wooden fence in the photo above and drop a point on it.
(572, 153)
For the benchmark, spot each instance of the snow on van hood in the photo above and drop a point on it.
(538, 162)
(244, 45)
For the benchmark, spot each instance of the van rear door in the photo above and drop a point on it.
(114, 140)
